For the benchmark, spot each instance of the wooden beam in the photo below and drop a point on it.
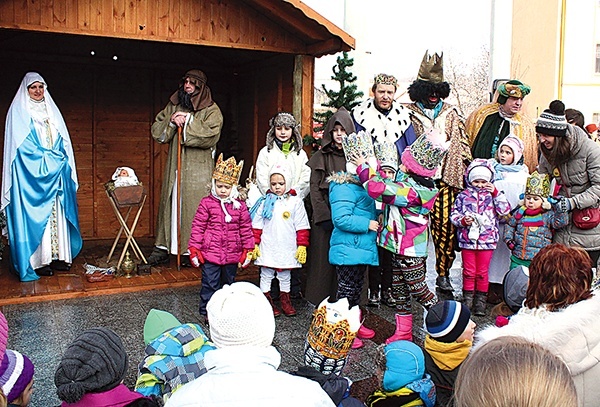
(330, 46)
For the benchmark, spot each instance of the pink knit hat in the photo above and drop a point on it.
(516, 145)
(424, 156)
(3, 335)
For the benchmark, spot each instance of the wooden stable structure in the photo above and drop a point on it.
(111, 65)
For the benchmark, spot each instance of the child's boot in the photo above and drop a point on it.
(479, 303)
(286, 304)
(357, 343)
(403, 329)
(364, 332)
(276, 311)
(468, 299)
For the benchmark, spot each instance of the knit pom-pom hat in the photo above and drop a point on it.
(447, 320)
(95, 362)
(552, 121)
(240, 315)
(16, 373)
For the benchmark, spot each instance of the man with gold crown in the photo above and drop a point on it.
(192, 111)
(429, 110)
(386, 120)
(488, 125)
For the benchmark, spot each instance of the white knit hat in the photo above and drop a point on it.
(240, 315)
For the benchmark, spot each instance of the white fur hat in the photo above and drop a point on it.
(240, 315)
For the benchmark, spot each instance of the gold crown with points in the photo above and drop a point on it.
(227, 171)
(538, 184)
(432, 68)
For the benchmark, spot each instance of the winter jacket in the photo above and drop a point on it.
(580, 179)
(406, 210)
(295, 162)
(352, 243)
(173, 359)
(248, 376)
(119, 396)
(528, 234)
(279, 237)
(419, 393)
(572, 334)
(337, 387)
(221, 242)
(487, 207)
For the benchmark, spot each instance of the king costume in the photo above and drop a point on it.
(39, 183)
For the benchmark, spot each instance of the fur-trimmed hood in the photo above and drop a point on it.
(572, 333)
(343, 177)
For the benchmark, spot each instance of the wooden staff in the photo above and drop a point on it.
(179, 198)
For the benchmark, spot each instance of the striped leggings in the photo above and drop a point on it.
(443, 231)
(408, 279)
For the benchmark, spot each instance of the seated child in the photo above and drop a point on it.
(281, 233)
(174, 355)
(16, 378)
(515, 285)
(124, 177)
(221, 236)
(447, 344)
(401, 371)
(532, 225)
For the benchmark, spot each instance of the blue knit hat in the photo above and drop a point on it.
(404, 364)
(447, 320)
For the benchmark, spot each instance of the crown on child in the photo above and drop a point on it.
(538, 184)
(227, 171)
(429, 149)
(332, 340)
(358, 144)
(387, 154)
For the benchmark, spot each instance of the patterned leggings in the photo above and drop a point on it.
(408, 279)
(350, 282)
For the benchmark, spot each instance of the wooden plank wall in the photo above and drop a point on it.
(231, 24)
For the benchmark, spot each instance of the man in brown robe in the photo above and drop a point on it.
(192, 109)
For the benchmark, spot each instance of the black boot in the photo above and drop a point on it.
(45, 271)
(158, 256)
(443, 283)
(479, 303)
(468, 299)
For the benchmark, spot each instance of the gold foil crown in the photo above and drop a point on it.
(385, 79)
(360, 144)
(538, 184)
(432, 68)
(330, 340)
(387, 154)
(227, 171)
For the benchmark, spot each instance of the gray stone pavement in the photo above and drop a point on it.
(43, 330)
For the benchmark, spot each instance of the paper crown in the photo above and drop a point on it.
(538, 184)
(359, 144)
(227, 171)
(330, 336)
(425, 155)
(385, 79)
(432, 68)
(387, 154)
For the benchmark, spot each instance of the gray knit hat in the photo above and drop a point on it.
(552, 121)
(95, 362)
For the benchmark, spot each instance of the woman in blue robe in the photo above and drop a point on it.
(39, 184)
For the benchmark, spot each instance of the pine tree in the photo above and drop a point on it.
(347, 96)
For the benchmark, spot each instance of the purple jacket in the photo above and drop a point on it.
(490, 207)
(221, 242)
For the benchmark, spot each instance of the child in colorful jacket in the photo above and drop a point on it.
(404, 382)
(408, 199)
(475, 214)
(532, 225)
(221, 237)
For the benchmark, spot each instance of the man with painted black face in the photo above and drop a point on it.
(191, 109)
(429, 110)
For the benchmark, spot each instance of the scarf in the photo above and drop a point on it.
(447, 356)
(530, 217)
(232, 199)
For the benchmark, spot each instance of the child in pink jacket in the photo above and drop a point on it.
(221, 231)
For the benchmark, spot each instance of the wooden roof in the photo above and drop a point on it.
(279, 26)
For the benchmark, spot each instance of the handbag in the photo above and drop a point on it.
(587, 218)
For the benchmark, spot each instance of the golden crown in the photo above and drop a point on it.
(330, 340)
(538, 184)
(432, 68)
(227, 171)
